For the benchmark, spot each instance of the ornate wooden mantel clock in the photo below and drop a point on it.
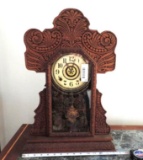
(70, 116)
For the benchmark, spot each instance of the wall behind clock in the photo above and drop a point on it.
(122, 89)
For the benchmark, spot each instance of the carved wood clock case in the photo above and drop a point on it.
(70, 116)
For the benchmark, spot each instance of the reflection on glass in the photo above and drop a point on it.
(70, 98)
(71, 113)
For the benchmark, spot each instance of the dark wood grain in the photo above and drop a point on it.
(70, 33)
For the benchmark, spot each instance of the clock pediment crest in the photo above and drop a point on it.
(70, 31)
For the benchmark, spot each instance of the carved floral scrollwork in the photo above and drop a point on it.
(99, 43)
(107, 40)
(70, 31)
(40, 45)
(101, 48)
(100, 120)
(42, 42)
(38, 128)
(72, 24)
(106, 62)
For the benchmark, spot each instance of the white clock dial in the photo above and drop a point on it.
(66, 72)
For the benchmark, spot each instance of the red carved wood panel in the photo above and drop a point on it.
(70, 31)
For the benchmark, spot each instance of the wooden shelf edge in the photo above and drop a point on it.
(4, 155)
(126, 127)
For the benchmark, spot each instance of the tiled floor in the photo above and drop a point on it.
(124, 140)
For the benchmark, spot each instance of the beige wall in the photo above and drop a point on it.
(122, 89)
(2, 130)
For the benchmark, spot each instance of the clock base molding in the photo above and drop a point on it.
(68, 147)
(42, 144)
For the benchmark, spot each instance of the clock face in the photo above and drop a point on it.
(71, 72)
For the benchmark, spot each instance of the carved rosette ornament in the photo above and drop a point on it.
(70, 33)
